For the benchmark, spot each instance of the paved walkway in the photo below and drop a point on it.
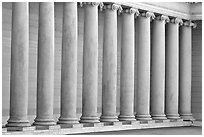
(157, 131)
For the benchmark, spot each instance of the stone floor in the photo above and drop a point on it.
(156, 131)
(179, 127)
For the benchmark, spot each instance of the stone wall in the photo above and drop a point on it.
(197, 71)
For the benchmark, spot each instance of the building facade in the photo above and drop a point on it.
(91, 62)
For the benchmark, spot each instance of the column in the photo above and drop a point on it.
(157, 85)
(69, 65)
(185, 57)
(90, 63)
(19, 66)
(127, 66)
(45, 65)
(172, 68)
(109, 79)
(143, 66)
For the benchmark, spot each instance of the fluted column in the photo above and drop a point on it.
(45, 68)
(127, 66)
(185, 71)
(69, 65)
(19, 66)
(172, 68)
(90, 63)
(143, 66)
(157, 94)
(109, 79)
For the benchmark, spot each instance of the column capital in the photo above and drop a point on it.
(92, 4)
(148, 15)
(176, 21)
(163, 17)
(131, 11)
(113, 6)
(189, 23)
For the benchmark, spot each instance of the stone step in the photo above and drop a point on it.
(96, 127)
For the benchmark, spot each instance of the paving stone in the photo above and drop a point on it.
(93, 124)
(108, 123)
(117, 123)
(159, 121)
(32, 128)
(78, 125)
(4, 130)
(179, 120)
(166, 121)
(173, 120)
(55, 127)
(147, 121)
(130, 122)
(197, 123)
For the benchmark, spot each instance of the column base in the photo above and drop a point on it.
(126, 118)
(108, 118)
(187, 117)
(67, 121)
(85, 119)
(44, 122)
(158, 117)
(143, 117)
(17, 123)
(173, 116)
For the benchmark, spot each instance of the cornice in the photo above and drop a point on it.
(187, 12)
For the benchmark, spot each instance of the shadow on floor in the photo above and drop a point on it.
(156, 131)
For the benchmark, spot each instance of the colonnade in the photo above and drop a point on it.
(164, 51)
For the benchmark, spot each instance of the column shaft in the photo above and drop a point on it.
(185, 57)
(45, 68)
(109, 79)
(143, 67)
(172, 70)
(90, 64)
(69, 65)
(127, 68)
(157, 99)
(19, 65)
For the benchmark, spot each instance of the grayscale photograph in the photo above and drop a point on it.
(101, 68)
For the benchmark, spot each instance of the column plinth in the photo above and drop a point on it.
(143, 66)
(69, 65)
(90, 64)
(19, 66)
(157, 85)
(172, 68)
(127, 66)
(185, 57)
(109, 79)
(45, 66)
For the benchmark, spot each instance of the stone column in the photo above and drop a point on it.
(69, 65)
(90, 63)
(19, 66)
(172, 68)
(127, 66)
(143, 66)
(185, 58)
(45, 68)
(157, 94)
(109, 79)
